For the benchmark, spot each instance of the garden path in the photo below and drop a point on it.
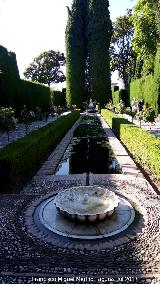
(153, 128)
(21, 130)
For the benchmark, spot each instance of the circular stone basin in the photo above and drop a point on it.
(86, 203)
(49, 220)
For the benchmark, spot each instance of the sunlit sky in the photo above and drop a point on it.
(29, 27)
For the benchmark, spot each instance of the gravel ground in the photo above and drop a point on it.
(24, 255)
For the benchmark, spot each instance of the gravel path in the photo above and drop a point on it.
(21, 130)
(153, 128)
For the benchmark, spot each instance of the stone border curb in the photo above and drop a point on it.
(50, 164)
(127, 165)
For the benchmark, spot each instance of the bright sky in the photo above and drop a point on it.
(29, 27)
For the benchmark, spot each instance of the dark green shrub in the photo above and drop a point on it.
(22, 158)
(58, 98)
(145, 147)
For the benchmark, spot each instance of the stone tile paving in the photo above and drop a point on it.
(153, 128)
(21, 131)
(23, 255)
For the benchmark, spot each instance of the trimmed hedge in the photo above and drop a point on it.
(21, 159)
(114, 121)
(9, 77)
(15, 92)
(145, 147)
(120, 95)
(58, 98)
(115, 97)
(145, 88)
(148, 87)
(32, 95)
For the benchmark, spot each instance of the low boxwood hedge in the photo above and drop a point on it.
(145, 147)
(21, 159)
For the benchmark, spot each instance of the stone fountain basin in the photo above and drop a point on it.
(86, 203)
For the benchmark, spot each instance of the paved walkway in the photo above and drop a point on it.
(153, 128)
(21, 130)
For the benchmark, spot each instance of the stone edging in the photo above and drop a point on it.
(127, 165)
(50, 164)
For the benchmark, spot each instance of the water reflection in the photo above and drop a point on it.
(85, 155)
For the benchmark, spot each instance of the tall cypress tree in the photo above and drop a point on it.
(99, 31)
(88, 36)
(75, 53)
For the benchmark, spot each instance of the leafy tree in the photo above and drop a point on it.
(26, 118)
(149, 115)
(46, 68)
(7, 122)
(145, 36)
(122, 55)
(157, 79)
(156, 8)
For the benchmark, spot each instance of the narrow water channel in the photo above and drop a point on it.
(88, 152)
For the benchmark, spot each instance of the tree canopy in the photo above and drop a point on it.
(145, 36)
(122, 55)
(46, 68)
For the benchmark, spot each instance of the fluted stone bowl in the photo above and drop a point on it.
(86, 203)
